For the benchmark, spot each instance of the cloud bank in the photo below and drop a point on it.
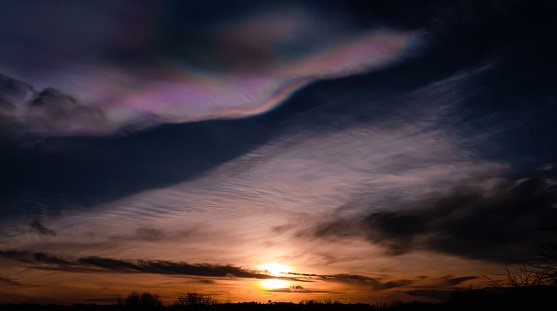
(93, 264)
(98, 264)
(503, 224)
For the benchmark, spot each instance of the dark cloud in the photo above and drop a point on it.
(30, 257)
(206, 281)
(374, 283)
(14, 93)
(456, 281)
(22, 256)
(501, 225)
(9, 282)
(440, 294)
(49, 111)
(296, 289)
(167, 267)
(98, 264)
(40, 228)
(47, 259)
(53, 112)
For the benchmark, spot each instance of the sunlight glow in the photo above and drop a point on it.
(276, 269)
(272, 283)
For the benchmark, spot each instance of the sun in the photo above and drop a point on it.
(276, 269)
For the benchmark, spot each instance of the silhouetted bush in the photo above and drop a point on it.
(143, 300)
(193, 298)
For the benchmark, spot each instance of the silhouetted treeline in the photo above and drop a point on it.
(520, 298)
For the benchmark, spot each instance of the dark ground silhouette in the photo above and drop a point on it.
(493, 298)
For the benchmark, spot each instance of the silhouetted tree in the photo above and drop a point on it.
(545, 261)
(541, 269)
(523, 276)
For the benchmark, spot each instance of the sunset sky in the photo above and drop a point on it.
(272, 150)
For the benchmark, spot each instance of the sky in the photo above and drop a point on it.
(276, 150)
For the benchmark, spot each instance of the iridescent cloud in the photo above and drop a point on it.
(156, 66)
